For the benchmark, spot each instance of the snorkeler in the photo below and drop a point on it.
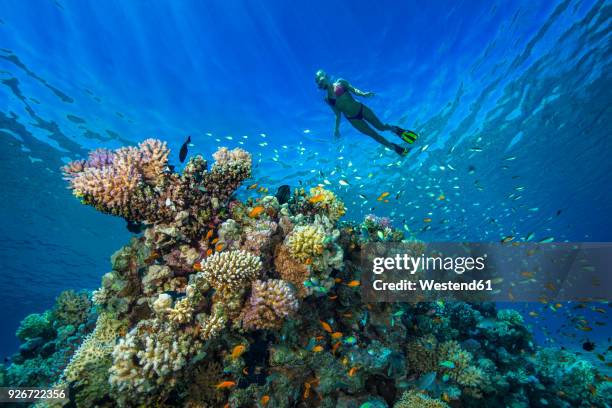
(339, 98)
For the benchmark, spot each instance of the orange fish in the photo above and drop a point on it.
(317, 349)
(264, 400)
(383, 195)
(254, 213)
(335, 347)
(527, 274)
(586, 328)
(252, 187)
(214, 241)
(337, 280)
(197, 266)
(353, 371)
(245, 371)
(319, 338)
(353, 283)
(308, 261)
(237, 351)
(209, 234)
(326, 326)
(306, 390)
(441, 197)
(385, 201)
(209, 252)
(336, 335)
(154, 255)
(349, 314)
(333, 297)
(219, 248)
(427, 219)
(317, 198)
(225, 384)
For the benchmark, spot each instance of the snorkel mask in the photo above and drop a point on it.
(321, 79)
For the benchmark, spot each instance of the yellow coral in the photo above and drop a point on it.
(327, 200)
(210, 326)
(426, 354)
(96, 347)
(414, 399)
(306, 242)
(182, 312)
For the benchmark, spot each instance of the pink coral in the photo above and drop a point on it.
(270, 302)
(136, 183)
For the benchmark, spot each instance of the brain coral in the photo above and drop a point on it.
(291, 270)
(306, 242)
(270, 302)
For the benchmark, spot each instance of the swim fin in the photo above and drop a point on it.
(407, 136)
(402, 151)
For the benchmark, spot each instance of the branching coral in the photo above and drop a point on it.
(231, 270)
(71, 307)
(414, 399)
(149, 356)
(270, 303)
(136, 183)
(426, 355)
(325, 202)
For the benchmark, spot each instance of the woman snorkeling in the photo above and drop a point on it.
(339, 98)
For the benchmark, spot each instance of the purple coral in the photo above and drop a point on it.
(100, 158)
(270, 302)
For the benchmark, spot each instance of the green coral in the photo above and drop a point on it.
(88, 368)
(414, 399)
(35, 325)
(71, 308)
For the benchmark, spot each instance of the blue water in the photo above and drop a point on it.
(518, 91)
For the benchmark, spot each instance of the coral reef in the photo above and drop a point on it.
(222, 302)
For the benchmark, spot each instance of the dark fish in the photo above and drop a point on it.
(471, 169)
(588, 345)
(559, 212)
(134, 227)
(183, 152)
(283, 193)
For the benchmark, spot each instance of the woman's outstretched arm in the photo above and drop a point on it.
(354, 90)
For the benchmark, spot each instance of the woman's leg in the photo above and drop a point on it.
(363, 127)
(373, 119)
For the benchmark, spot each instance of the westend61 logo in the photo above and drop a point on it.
(412, 264)
(476, 272)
